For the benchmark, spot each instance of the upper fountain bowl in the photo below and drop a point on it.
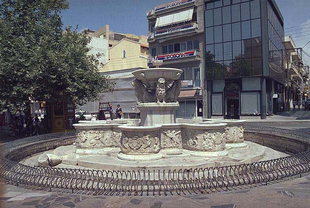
(153, 74)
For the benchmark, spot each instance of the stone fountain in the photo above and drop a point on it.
(158, 134)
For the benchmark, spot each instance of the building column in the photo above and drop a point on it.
(263, 98)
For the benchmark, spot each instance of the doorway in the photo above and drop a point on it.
(232, 101)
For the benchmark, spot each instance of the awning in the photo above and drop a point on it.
(187, 93)
(183, 16)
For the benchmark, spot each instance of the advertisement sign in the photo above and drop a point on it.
(176, 55)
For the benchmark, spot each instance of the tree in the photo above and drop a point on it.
(41, 61)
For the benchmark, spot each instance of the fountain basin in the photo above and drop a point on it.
(157, 113)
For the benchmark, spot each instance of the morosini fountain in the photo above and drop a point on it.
(159, 156)
(158, 141)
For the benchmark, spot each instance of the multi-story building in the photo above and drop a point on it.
(239, 52)
(125, 53)
(297, 74)
(176, 38)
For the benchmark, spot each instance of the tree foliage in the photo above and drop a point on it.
(41, 61)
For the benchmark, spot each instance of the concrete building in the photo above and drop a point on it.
(176, 38)
(237, 47)
(297, 75)
(125, 53)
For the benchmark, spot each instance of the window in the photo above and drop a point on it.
(177, 47)
(255, 9)
(210, 52)
(226, 15)
(183, 47)
(227, 51)
(246, 48)
(235, 12)
(196, 44)
(227, 32)
(153, 52)
(164, 49)
(245, 11)
(236, 31)
(170, 48)
(209, 35)
(218, 52)
(256, 29)
(226, 2)
(218, 3)
(196, 77)
(218, 34)
(124, 54)
(236, 49)
(218, 16)
(209, 18)
(189, 45)
(246, 29)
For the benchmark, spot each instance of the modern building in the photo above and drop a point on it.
(176, 39)
(239, 51)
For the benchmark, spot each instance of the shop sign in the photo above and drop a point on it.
(176, 55)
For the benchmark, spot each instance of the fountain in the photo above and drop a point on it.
(158, 134)
(159, 155)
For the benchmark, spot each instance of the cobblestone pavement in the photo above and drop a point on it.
(293, 193)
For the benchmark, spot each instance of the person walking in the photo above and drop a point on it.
(110, 109)
(119, 112)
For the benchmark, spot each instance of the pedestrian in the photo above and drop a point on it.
(110, 109)
(119, 111)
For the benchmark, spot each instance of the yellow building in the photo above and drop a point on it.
(126, 54)
(126, 51)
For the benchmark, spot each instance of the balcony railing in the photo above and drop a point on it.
(175, 56)
(175, 28)
(168, 6)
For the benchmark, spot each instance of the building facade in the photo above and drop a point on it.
(238, 51)
(124, 53)
(176, 39)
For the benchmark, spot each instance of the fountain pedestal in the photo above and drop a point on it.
(157, 113)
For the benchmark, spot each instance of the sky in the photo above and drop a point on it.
(129, 16)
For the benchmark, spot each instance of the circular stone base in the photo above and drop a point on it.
(172, 151)
(208, 154)
(102, 151)
(123, 156)
(236, 145)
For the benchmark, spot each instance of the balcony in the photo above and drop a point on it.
(169, 5)
(175, 29)
(176, 56)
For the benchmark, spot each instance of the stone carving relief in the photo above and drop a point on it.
(163, 91)
(206, 141)
(137, 143)
(97, 139)
(234, 134)
(171, 139)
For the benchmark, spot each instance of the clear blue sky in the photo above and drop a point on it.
(129, 16)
